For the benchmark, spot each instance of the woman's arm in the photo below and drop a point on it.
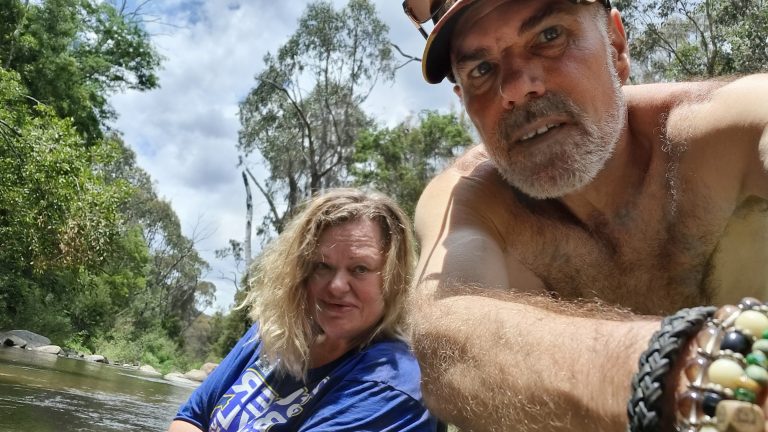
(182, 426)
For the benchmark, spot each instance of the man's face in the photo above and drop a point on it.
(539, 81)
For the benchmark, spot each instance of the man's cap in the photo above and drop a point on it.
(436, 61)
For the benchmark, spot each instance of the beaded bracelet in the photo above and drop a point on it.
(730, 364)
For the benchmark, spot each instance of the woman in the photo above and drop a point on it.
(327, 351)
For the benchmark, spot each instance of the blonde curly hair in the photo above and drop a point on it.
(278, 298)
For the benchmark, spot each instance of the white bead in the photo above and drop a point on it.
(752, 321)
(725, 372)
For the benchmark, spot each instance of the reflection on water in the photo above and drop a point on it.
(45, 393)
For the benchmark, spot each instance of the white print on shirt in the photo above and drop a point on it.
(253, 405)
(250, 382)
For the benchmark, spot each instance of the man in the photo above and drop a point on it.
(550, 252)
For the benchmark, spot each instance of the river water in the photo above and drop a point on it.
(45, 393)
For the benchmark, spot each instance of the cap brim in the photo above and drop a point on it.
(436, 60)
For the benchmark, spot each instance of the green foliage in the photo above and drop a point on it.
(306, 137)
(73, 54)
(29, 304)
(229, 328)
(684, 39)
(89, 255)
(54, 210)
(400, 161)
(61, 229)
(152, 347)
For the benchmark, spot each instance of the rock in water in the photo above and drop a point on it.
(196, 375)
(149, 370)
(96, 358)
(23, 338)
(49, 349)
(208, 368)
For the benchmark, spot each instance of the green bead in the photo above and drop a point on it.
(757, 358)
(761, 345)
(745, 395)
(757, 373)
(765, 334)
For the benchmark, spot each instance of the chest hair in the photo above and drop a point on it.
(652, 257)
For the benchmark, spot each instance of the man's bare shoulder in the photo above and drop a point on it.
(470, 192)
(689, 110)
(470, 178)
(667, 96)
(737, 105)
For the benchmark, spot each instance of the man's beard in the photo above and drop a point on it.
(551, 169)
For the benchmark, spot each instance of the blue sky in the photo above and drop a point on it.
(185, 133)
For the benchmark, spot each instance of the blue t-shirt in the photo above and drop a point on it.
(376, 389)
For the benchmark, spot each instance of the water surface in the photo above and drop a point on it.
(45, 393)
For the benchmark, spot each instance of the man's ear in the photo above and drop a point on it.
(457, 91)
(618, 36)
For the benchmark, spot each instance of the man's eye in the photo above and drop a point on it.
(549, 34)
(481, 70)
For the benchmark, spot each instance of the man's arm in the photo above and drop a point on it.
(495, 357)
(729, 132)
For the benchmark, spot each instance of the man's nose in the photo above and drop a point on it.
(519, 81)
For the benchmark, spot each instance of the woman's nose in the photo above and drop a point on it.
(339, 283)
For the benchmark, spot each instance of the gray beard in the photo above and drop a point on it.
(560, 168)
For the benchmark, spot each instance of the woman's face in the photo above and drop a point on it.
(344, 290)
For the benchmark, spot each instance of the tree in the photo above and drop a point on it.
(73, 54)
(684, 39)
(400, 161)
(59, 218)
(306, 137)
(54, 209)
(174, 292)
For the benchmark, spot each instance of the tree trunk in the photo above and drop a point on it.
(248, 222)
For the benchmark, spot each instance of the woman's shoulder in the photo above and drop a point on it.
(388, 362)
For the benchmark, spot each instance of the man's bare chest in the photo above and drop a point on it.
(653, 263)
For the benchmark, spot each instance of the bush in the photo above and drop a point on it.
(153, 347)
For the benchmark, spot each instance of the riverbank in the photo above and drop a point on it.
(26, 340)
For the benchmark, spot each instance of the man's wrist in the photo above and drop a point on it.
(646, 405)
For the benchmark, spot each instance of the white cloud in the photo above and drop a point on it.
(185, 133)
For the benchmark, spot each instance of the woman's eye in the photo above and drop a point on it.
(549, 34)
(321, 267)
(482, 69)
(360, 270)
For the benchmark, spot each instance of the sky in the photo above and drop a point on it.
(185, 132)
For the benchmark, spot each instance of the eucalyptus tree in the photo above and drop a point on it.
(684, 39)
(73, 54)
(401, 160)
(305, 113)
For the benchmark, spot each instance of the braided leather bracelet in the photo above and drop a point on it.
(644, 408)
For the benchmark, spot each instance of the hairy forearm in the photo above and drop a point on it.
(492, 364)
(763, 146)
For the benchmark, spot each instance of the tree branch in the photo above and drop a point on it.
(270, 202)
(407, 56)
(298, 110)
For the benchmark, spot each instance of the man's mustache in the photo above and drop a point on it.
(544, 106)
